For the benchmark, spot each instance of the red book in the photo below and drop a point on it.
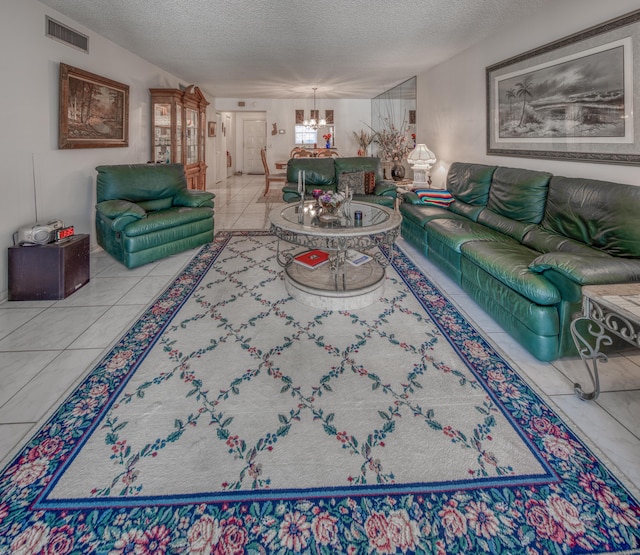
(312, 259)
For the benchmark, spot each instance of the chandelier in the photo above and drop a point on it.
(313, 123)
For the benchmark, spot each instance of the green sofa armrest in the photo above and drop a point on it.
(411, 198)
(589, 270)
(193, 199)
(119, 213)
(114, 208)
(386, 188)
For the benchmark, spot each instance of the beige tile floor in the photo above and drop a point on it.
(46, 347)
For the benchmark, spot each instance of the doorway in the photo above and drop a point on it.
(220, 151)
(254, 140)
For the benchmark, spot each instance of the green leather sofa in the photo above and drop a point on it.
(522, 243)
(145, 212)
(323, 173)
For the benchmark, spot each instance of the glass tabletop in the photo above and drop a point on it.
(356, 215)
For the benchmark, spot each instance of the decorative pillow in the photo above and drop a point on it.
(437, 197)
(369, 182)
(353, 180)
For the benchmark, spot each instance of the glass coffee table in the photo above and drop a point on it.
(336, 285)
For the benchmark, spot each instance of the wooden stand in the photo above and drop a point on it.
(48, 272)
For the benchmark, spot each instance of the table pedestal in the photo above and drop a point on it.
(333, 288)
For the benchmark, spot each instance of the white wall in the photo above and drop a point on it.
(349, 115)
(64, 180)
(451, 108)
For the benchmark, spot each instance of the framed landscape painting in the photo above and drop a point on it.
(94, 110)
(572, 99)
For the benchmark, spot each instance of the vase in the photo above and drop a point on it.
(328, 145)
(397, 171)
(328, 208)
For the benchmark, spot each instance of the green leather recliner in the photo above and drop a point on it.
(323, 173)
(145, 212)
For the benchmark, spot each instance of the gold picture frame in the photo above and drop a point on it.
(94, 110)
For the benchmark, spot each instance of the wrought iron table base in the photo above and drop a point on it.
(590, 355)
(603, 319)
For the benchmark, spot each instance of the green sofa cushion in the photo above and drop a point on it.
(602, 214)
(115, 208)
(589, 270)
(317, 171)
(163, 219)
(421, 214)
(189, 197)
(519, 194)
(469, 211)
(139, 182)
(543, 241)
(509, 264)
(455, 233)
(513, 228)
(156, 204)
(470, 183)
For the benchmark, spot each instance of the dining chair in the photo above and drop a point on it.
(326, 153)
(269, 177)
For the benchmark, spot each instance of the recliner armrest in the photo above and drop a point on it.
(386, 188)
(193, 199)
(411, 198)
(119, 213)
(589, 270)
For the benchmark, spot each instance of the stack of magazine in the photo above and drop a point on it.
(357, 258)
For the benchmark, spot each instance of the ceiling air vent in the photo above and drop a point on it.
(58, 31)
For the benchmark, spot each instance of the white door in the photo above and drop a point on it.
(255, 139)
(228, 159)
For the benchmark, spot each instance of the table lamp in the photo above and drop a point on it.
(421, 159)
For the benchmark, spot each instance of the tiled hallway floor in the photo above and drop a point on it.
(47, 346)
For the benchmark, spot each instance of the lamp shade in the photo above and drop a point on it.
(421, 156)
(421, 160)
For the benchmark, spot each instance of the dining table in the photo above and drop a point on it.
(281, 164)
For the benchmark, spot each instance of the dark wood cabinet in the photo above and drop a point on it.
(48, 272)
(178, 131)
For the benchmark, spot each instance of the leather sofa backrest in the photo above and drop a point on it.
(519, 194)
(470, 183)
(317, 171)
(139, 182)
(352, 164)
(601, 214)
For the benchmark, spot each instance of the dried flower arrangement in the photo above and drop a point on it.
(394, 143)
(363, 139)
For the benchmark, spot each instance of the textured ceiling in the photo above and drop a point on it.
(283, 48)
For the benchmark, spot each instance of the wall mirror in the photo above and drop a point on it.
(396, 107)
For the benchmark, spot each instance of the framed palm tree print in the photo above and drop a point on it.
(572, 99)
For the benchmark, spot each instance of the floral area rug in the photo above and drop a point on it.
(232, 419)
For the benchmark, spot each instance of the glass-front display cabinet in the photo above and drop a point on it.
(178, 123)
